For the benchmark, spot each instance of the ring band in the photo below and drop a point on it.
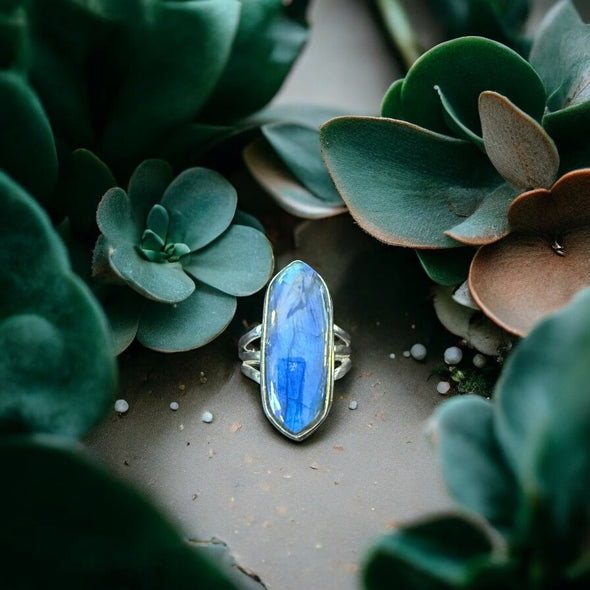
(297, 352)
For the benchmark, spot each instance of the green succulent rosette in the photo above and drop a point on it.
(177, 248)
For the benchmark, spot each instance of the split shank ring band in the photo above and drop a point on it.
(297, 352)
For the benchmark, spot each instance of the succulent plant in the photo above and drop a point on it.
(171, 242)
(57, 368)
(286, 161)
(123, 79)
(103, 532)
(518, 468)
(461, 136)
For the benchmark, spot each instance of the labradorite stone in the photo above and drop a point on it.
(296, 349)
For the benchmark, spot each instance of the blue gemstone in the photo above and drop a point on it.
(297, 351)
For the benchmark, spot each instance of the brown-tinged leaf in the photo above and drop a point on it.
(522, 278)
(519, 148)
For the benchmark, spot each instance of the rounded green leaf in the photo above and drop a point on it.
(189, 324)
(27, 150)
(57, 370)
(448, 267)
(146, 187)
(405, 185)
(266, 45)
(66, 522)
(201, 204)
(542, 416)
(176, 59)
(115, 218)
(462, 69)
(438, 554)
(298, 147)
(559, 55)
(489, 221)
(158, 281)
(83, 180)
(391, 105)
(122, 307)
(244, 218)
(239, 262)
(473, 467)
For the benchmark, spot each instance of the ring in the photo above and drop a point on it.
(297, 352)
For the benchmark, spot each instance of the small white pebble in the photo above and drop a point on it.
(353, 405)
(418, 351)
(407, 354)
(443, 387)
(480, 361)
(174, 406)
(121, 406)
(207, 417)
(453, 355)
(392, 355)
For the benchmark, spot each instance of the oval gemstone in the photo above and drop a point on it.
(297, 351)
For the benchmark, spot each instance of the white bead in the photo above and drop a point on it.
(353, 405)
(121, 406)
(443, 387)
(174, 406)
(418, 351)
(480, 361)
(207, 417)
(453, 355)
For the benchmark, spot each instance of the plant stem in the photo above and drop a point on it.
(400, 30)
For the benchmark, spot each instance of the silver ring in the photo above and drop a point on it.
(297, 352)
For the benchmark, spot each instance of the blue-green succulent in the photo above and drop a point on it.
(176, 246)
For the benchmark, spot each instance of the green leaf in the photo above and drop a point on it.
(243, 218)
(403, 184)
(115, 218)
(146, 187)
(391, 105)
(83, 181)
(68, 523)
(239, 262)
(495, 19)
(122, 307)
(59, 81)
(516, 144)
(473, 467)
(201, 204)
(455, 124)
(298, 147)
(189, 324)
(442, 553)
(278, 181)
(158, 221)
(489, 221)
(559, 55)
(158, 281)
(266, 45)
(27, 150)
(542, 417)
(462, 69)
(57, 370)
(448, 267)
(175, 61)
(14, 41)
